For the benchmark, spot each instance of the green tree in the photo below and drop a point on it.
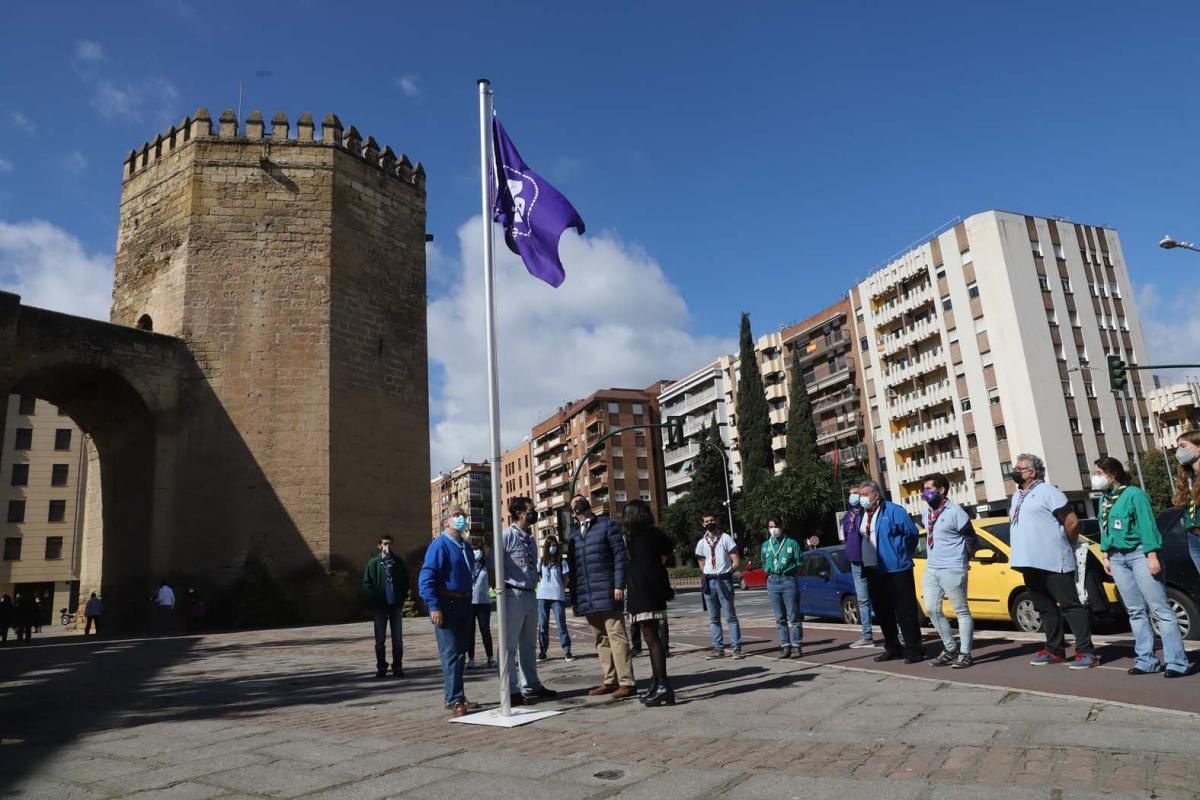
(1159, 482)
(708, 471)
(680, 521)
(803, 501)
(753, 415)
(801, 430)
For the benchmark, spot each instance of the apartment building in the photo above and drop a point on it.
(627, 466)
(43, 463)
(1175, 409)
(989, 340)
(469, 485)
(516, 474)
(699, 399)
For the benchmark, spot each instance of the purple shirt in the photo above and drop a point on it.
(851, 522)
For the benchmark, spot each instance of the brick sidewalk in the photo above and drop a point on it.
(297, 712)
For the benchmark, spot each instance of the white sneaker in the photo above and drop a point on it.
(862, 643)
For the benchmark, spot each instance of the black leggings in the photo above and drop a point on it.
(482, 621)
(655, 647)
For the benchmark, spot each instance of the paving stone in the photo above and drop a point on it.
(989, 793)
(605, 773)
(387, 785)
(181, 791)
(312, 752)
(472, 784)
(38, 788)
(789, 787)
(1120, 738)
(503, 764)
(684, 784)
(924, 731)
(277, 779)
(84, 768)
(401, 754)
(161, 776)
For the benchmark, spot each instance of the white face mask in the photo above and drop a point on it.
(478, 554)
(1185, 455)
(1100, 483)
(776, 532)
(855, 499)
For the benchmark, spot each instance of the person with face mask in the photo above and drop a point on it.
(851, 522)
(520, 603)
(1131, 542)
(1044, 530)
(949, 540)
(552, 597)
(484, 579)
(1187, 489)
(781, 558)
(445, 584)
(597, 562)
(889, 539)
(385, 582)
(718, 556)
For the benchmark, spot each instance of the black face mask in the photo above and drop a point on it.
(1018, 477)
(581, 507)
(710, 526)
(530, 517)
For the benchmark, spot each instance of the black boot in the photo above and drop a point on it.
(653, 690)
(665, 696)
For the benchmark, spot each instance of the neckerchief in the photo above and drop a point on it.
(712, 548)
(1106, 505)
(932, 520)
(1021, 499)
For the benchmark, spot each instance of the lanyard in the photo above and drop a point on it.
(1110, 500)
(1021, 500)
(462, 548)
(774, 553)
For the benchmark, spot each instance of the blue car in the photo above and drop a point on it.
(827, 585)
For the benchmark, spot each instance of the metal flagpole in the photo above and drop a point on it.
(489, 316)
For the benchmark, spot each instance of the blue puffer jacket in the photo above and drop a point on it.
(598, 563)
(896, 538)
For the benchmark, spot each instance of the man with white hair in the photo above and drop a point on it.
(889, 539)
(1043, 531)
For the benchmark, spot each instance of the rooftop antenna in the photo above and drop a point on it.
(239, 116)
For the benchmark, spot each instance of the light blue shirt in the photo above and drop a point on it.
(1038, 538)
(947, 547)
(520, 558)
(479, 589)
(551, 586)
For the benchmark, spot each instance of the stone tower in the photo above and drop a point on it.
(292, 265)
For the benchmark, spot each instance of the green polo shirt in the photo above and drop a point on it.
(1128, 521)
(1191, 517)
(781, 557)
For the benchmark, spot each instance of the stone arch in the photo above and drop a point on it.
(145, 323)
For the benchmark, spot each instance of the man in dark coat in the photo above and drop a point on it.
(385, 583)
(596, 552)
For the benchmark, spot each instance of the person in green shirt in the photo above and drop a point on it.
(781, 558)
(1130, 541)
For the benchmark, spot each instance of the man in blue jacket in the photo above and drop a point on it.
(597, 557)
(445, 585)
(889, 539)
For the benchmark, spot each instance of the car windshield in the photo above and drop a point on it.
(840, 560)
(1000, 531)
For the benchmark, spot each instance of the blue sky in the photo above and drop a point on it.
(761, 159)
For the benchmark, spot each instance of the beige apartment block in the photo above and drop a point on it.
(1176, 410)
(516, 474)
(468, 485)
(989, 340)
(699, 399)
(43, 469)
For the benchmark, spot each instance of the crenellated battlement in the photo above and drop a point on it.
(332, 134)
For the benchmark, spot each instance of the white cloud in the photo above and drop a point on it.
(21, 122)
(74, 162)
(5, 165)
(49, 268)
(135, 100)
(89, 51)
(408, 84)
(616, 322)
(1171, 329)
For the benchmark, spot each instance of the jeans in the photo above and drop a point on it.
(952, 583)
(720, 597)
(453, 637)
(521, 608)
(894, 600)
(863, 594)
(559, 609)
(383, 616)
(1055, 597)
(1194, 549)
(93, 623)
(1140, 591)
(784, 594)
(481, 620)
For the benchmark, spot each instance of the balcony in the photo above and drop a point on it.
(772, 366)
(776, 391)
(917, 468)
(919, 434)
(911, 335)
(680, 454)
(548, 445)
(778, 416)
(677, 479)
(927, 362)
(779, 442)
(693, 401)
(911, 402)
(838, 375)
(826, 435)
(848, 395)
(911, 299)
(895, 274)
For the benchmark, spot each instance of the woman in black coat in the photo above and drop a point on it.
(649, 591)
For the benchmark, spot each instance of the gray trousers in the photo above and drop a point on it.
(521, 609)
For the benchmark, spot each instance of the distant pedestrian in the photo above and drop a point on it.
(385, 583)
(950, 539)
(1187, 489)
(782, 558)
(164, 608)
(483, 579)
(193, 611)
(552, 598)
(596, 575)
(23, 613)
(718, 556)
(1131, 542)
(91, 612)
(889, 539)
(851, 522)
(38, 606)
(521, 570)
(445, 585)
(6, 617)
(1044, 532)
(649, 592)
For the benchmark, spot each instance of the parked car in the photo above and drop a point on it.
(827, 585)
(1183, 581)
(997, 592)
(751, 576)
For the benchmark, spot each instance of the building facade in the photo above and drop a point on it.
(468, 485)
(989, 340)
(699, 399)
(1176, 410)
(516, 474)
(43, 473)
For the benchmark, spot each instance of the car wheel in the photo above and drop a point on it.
(850, 610)
(1185, 610)
(1023, 614)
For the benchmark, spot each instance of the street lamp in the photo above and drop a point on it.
(1167, 243)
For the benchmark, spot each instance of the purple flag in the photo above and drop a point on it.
(533, 212)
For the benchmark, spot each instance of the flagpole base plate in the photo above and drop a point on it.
(493, 718)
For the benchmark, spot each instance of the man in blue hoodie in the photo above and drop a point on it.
(445, 585)
(889, 539)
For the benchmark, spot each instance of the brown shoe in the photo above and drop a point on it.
(604, 688)
(458, 709)
(624, 691)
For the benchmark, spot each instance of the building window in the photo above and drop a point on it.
(644, 495)
(1074, 318)
(1074, 425)
(1081, 461)
(966, 404)
(20, 475)
(58, 511)
(863, 344)
(16, 510)
(973, 290)
(59, 473)
(24, 439)
(614, 408)
(1092, 290)
(1005, 468)
(62, 439)
(1036, 246)
(27, 405)
(12, 548)
(1068, 390)
(54, 548)
(1001, 433)
(1058, 252)
(966, 256)
(1097, 425)
(1089, 389)
(620, 497)
(1066, 284)
(145, 323)
(637, 409)
(1044, 282)
(946, 303)
(1060, 353)
(1052, 317)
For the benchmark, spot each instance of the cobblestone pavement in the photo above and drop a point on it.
(298, 713)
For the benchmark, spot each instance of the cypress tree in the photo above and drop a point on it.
(753, 415)
(801, 430)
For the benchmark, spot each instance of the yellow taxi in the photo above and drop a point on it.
(996, 591)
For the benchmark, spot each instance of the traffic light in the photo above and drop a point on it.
(675, 432)
(1117, 375)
